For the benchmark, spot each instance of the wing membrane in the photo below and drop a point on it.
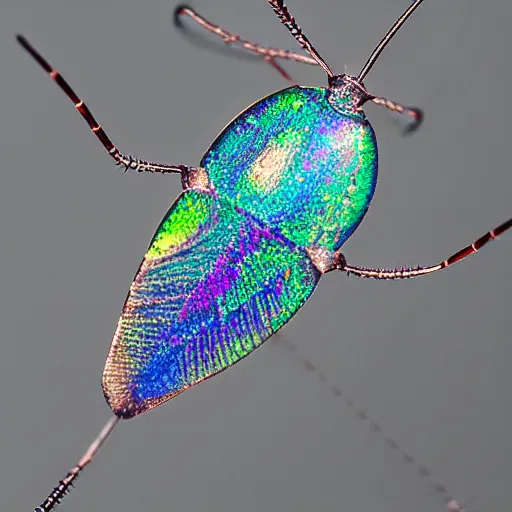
(213, 286)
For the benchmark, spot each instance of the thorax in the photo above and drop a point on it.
(299, 164)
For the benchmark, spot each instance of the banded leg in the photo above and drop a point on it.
(59, 492)
(268, 53)
(406, 273)
(127, 161)
(414, 112)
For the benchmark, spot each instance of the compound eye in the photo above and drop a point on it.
(337, 81)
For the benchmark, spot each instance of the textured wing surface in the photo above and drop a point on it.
(213, 286)
(295, 162)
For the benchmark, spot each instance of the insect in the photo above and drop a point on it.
(262, 217)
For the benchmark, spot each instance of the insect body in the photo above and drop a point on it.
(244, 246)
(284, 185)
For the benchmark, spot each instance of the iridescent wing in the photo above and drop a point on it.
(297, 163)
(213, 286)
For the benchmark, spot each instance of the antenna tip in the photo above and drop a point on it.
(178, 11)
(23, 41)
(418, 116)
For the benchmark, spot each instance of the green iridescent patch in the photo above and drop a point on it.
(214, 284)
(304, 168)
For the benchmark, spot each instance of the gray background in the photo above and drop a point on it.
(427, 359)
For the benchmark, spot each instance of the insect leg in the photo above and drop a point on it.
(127, 161)
(415, 113)
(269, 54)
(406, 273)
(59, 492)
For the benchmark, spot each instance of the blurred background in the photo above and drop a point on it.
(428, 359)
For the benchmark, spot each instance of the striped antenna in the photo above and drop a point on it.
(289, 22)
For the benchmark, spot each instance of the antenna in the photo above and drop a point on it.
(289, 22)
(385, 40)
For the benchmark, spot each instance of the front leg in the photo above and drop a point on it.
(269, 54)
